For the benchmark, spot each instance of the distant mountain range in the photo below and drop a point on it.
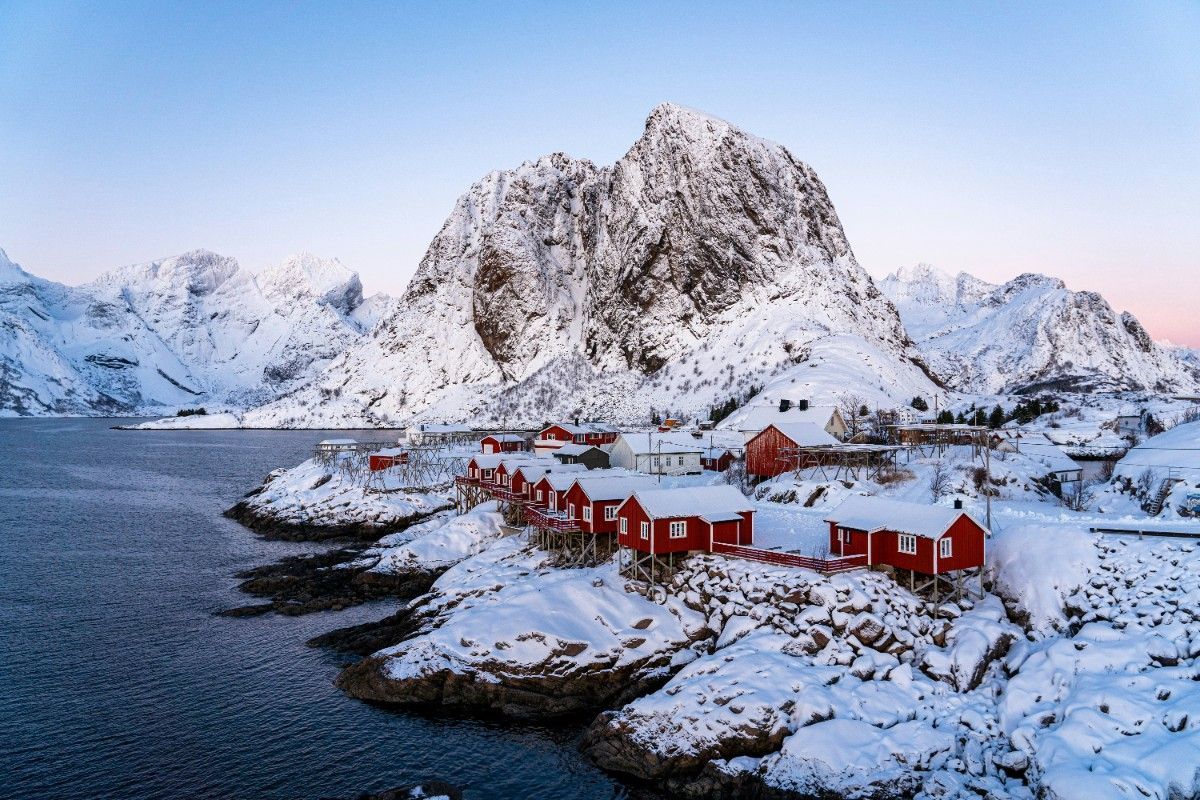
(182, 331)
(1029, 334)
(705, 264)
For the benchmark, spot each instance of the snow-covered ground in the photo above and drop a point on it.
(324, 494)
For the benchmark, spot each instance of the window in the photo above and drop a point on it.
(907, 543)
(624, 526)
(681, 461)
(610, 513)
(487, 474)
(843, 535)
(539, 495)
(645, 530)
(587, 513)
(679, 530)
(553, 501)
(570, 511)
(579, 438)
(945, 548)
(656, 460)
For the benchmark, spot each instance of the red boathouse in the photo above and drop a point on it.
(767, 452)
(931, 540)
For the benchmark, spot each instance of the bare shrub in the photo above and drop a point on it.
(939, 480)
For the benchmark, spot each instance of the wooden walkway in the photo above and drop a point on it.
(828, 565)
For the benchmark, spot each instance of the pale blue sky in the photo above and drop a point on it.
(1062, 138)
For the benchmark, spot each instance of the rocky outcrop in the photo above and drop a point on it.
(694, 242)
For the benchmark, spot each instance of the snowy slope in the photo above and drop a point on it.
(703, 261)
(1030, 333)
(186, 330)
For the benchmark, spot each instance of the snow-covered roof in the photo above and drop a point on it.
(760, 416)
(714, 452)
(613, 487)
(533, 472)
(389, 451)
(560, 480)
(505, 437)
(336, 442)
(804, 434)
(574, 449)
(710, 503)
(511, 462)
(1045, 452)
(584, 427)
(865, 513)
(488, 460)
(671, 443)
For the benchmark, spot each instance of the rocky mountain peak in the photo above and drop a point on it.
(305, 276)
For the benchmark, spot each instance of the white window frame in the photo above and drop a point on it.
(539, 495)
(645, 530)
(610, 513)
(678, 529)
(681, 461)
(906, 543)
(587, 513)
(624, 526)
(945, 547)
(487, 474)
(570, 511)
(554, 501)
(844, 535)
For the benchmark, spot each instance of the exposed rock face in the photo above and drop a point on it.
(1030, 333)
(704, 259)
(185, 330)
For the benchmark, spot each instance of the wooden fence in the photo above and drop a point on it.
(827, 565)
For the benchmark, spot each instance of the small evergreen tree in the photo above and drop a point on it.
(961, 419)
(996, 420)
(919, 404)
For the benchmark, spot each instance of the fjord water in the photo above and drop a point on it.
(116, 680)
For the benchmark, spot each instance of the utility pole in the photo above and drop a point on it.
(987, 481)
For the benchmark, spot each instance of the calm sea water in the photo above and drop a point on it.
(116, 680)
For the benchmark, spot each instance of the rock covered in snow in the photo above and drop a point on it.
(182, 331)
(1030, 333)
(703, 260)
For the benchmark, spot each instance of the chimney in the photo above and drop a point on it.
(784, 404)
(804, 405)
(577, 421)
(958, 504)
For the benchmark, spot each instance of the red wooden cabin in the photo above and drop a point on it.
(482, 467)
(766, 454)
(716, 459)
(502, 443)
(593, 501)
(550, 491)
(912, 536)
(386, 457)
(509, 465)
(525, 476)
(680, 520)
(555, 436)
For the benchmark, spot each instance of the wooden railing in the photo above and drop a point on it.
(554, 520)
(827, 565)
(464, 480)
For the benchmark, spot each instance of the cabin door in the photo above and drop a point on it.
(489, 449)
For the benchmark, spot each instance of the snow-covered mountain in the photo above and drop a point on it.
(1029, 333)
(180, 331)
(704, 261)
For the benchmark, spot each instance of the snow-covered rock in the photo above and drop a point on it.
(189, 330)
(705, 260)
(508, 633)
(1030, 333)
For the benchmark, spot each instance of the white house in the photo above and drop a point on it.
(673, 453)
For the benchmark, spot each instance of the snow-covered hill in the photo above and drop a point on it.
(1030, 333)
(181, 331)
(704, 261)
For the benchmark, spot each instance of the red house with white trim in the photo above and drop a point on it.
(766, 454)
(922, 538)
(593, 502)
(502, 443)
(555, 436)
(680, 520)
(550, 491)
(482, 467)
(525, 476)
